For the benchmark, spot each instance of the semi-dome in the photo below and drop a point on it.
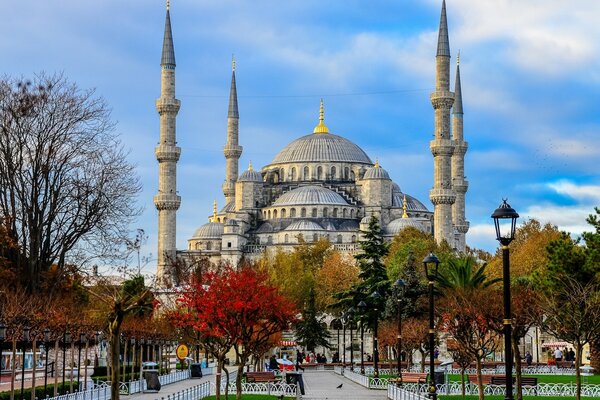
(324, 147)
(376, 172)
(304, 225)
(310, 195)
(212, 230)
(250, 175)
(399, 224)
(412, 204)
(396, 188)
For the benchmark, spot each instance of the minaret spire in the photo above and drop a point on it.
(167, 153)
(442, 196)
(232, 150)
(459, 183)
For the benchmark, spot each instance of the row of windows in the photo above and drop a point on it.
(335, 213)
(319, 173)
(315, 237)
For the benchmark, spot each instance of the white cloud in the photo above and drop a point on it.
(590, 194)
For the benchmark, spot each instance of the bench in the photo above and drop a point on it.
(526, 381)
(267, 376)
(411, 377)
(485, 379)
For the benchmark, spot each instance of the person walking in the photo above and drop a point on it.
(558, 355)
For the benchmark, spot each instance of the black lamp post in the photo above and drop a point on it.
(337, 326)
(399, 286)
(344, 320)
(46, 348)
(505, 221)
(132, 342)
(376, 298)
(431, 263)
(66, 342)
(81, 341)
(350, 313)
(97, 337)
(26, 337)
(362, 306)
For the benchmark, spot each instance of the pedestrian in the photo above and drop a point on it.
(572, 354)
(528, 358)
(299, 360)
(558, 355)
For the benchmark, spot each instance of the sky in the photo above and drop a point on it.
(530, 75)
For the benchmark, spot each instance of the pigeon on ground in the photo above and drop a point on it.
(340, 386)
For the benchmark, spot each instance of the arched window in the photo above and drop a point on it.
(294, 173)
(293, 213)
(306, 174)
(274, 213)
(319, 173)
(303, 212)
(198, 246)
(325, 213)
(353, 238)
(264, 214)
(346, 173)
(270, 240)
(315, 237)
(281, 175)
(344, 213)
(335, 213)
(352, 213)
(339, 238)
(269, 214)
(333, 172)
(283, 213)
(286, 238)
(208, 245)
(314, 213)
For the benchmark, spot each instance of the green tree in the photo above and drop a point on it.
(310, 331)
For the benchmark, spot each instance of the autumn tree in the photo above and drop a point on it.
(66, 188)
(338, 273)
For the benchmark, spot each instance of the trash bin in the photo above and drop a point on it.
(152, 382)
(439, 377)
(196, 370)
(295, 378)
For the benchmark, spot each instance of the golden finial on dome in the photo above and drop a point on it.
(377, 163)
(233, 62)
(215, 211)
(404, 213)
(250, 166)
(321, 127)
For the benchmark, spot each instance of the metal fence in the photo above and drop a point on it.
(400, 393)
(194, 393)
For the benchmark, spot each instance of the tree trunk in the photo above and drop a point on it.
(577, 371)
(218, 380)
(56, 351)
(422, 359)
(462, 382)
(594, 355)
(238, 380)
(517, 363)
(34, 368)
(226, 382)
(13, 369)
(72, 363)
(114, 330)
(479, 379)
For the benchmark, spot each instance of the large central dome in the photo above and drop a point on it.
(321, 148)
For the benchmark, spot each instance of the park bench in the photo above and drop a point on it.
(485, 379)
(526, 381)
(255, 377)
(411, 377)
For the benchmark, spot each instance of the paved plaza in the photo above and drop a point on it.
(317, 385)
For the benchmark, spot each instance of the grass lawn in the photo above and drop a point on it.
(594, 379)
(501, 397)
(253, 397)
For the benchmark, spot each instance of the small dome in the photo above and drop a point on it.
(396, 188)
(212, 230)
(376, 172)
(250, 176)
(310, 195)
(412, 204)
(365, 220)
(304, 225)
(399, 224)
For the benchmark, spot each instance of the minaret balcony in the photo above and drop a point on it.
(167, 105)
(165, 152)
(460, 185)
(167, 201)
(443, 99)
(442, 196)
(460, 147)
(441, 147)
(463, 227)
(232, 151)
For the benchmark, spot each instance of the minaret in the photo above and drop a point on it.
(459, 183)
(441, 147)
(231, 150)
(167, 153)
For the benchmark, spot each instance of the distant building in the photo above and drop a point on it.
(319, 185)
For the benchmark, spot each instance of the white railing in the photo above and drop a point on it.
(357, 378)
(400, 393)
(542, 389)
(194, 393)
(99, 392)
(174, 377)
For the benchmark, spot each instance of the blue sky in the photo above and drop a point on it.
(530, 80)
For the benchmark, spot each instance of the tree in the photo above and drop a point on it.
(339, 273)
(309, 329)
(238, 308)
(66, 188)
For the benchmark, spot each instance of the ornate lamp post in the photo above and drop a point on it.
(66, 342)
(505, 221)
(132, 342)
(79, 344)
(26, 337)
(350, 313)
(431, 263)
(399, 287)
(47, 348)
(344, 321)
(362, 307)
(376, 298)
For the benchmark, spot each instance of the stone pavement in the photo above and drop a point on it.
(318, 385)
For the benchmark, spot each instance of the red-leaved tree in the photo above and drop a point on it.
(234, 308)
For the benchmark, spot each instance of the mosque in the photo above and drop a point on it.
(321, 185)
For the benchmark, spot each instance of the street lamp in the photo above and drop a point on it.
(344, 321)
(376, 298)
(350, 313)
(505, 221)
(399, 287)
(26, 337)
(47, 348)
(66, 341)
(81, 340)
(132, 342)
(431, 263)
(362, 307)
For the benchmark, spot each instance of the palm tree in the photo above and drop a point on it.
(464, 274)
